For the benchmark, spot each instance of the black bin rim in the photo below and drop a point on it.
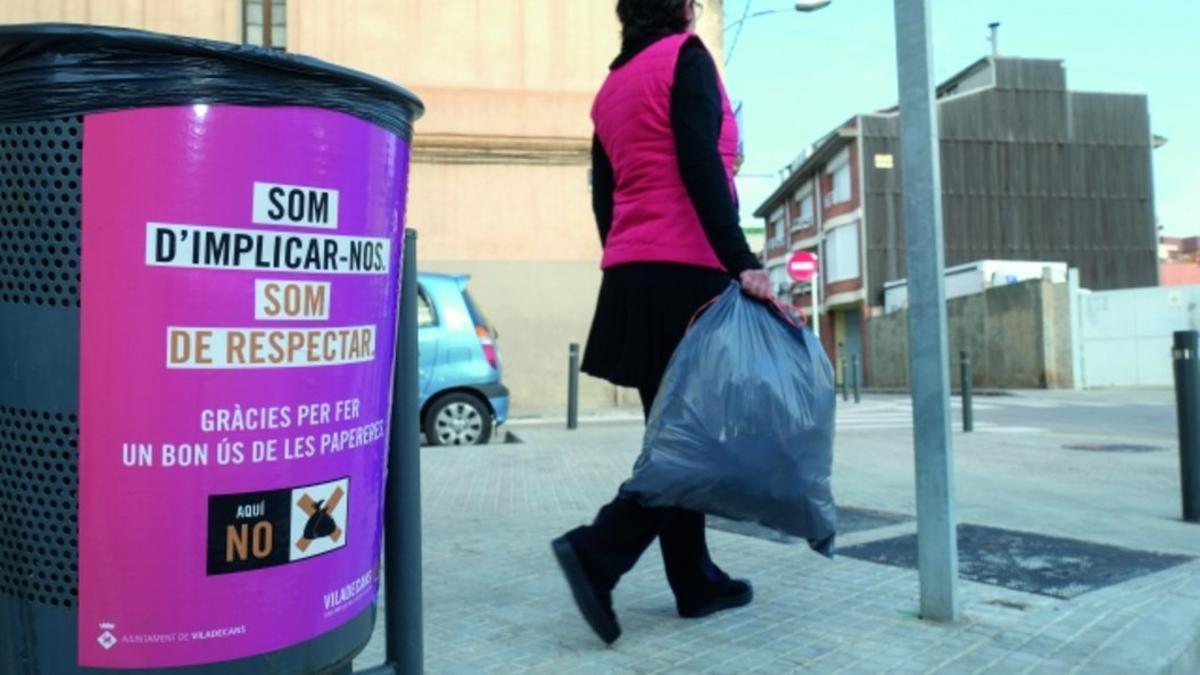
(63, 69)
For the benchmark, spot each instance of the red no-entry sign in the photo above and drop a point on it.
(802, 266)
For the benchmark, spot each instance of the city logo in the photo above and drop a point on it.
(107, 639)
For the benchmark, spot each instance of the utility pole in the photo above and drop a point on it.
(928, 350)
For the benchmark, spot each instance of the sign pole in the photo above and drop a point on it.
(816, 304)
(804, 266)
(928, 351)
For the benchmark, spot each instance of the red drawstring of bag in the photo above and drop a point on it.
(779, 307)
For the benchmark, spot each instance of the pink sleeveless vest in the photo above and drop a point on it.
(653, 217)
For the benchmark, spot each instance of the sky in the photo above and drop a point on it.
(800, 75)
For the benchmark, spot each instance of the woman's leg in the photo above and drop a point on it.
(612, 544)
(622, 531)
(690, 569)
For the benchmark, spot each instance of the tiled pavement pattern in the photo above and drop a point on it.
(496, 603)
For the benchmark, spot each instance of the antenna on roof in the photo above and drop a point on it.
(992, 38)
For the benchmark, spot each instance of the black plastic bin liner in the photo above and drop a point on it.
(59, 70)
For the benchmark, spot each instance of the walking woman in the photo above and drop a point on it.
(663, 160)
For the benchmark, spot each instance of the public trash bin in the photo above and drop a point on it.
(199, 254)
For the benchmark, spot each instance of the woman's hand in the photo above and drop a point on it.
(756, 283)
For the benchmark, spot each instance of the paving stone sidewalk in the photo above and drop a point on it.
(496, 603)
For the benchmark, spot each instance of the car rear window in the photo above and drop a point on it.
(477, 316)
(425, 315)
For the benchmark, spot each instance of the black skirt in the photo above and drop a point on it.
(641, 315)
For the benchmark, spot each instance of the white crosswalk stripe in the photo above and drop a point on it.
(898, 415)
(999, 402)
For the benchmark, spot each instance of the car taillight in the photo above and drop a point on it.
(489, 346)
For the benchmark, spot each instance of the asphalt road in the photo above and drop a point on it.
(1125, 414)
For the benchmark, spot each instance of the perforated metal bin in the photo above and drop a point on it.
(50, 78)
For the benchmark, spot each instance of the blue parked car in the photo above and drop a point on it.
(462, 398)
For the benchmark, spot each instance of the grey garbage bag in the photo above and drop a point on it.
(742, 426)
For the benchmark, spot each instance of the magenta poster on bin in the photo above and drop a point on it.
(240, 276)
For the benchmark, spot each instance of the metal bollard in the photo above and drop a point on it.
(968, 415)
(573, 388)
(845, 382)
(854, 378)
(1187, 402)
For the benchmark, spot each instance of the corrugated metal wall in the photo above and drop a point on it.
(1028, 174)
(1030, 74)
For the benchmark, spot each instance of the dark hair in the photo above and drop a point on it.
(651, 18)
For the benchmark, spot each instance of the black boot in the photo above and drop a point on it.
(727, 594)
(595, 605)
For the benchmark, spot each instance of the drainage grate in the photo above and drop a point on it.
(749, 530)
(38, 525)
(1008, 604)
(1032, 563)
(1113, 447)
(850, 519)
(41, 164)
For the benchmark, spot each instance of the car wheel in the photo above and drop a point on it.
(458, 419)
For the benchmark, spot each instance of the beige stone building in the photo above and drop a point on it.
(499, 184)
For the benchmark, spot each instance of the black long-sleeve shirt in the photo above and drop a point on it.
(697, 114)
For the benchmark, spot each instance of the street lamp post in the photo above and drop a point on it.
(937, 543)
(928, 353)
